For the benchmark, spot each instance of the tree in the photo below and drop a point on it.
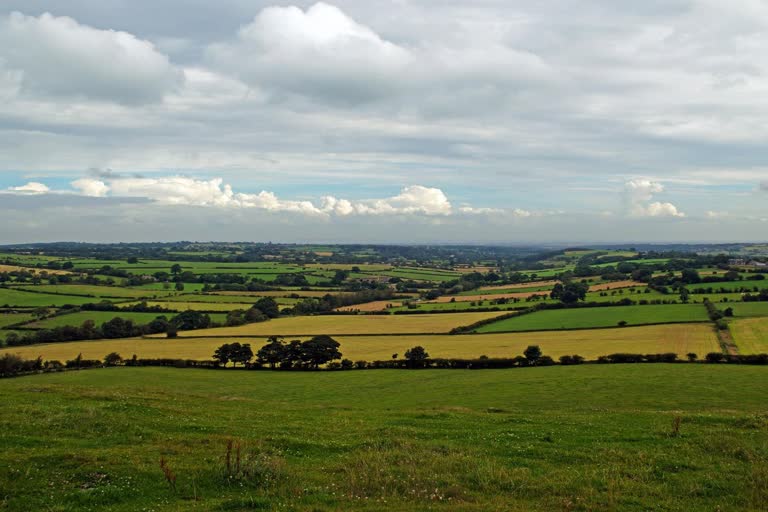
(692, 356)
(179, 286)
(132, 260)
(684, 295)
(569, 293)
(272, 353)
(223, 354)
(268, 306)
(175, 269)
(190, 319)
(532, 354)
(240, 353)
(112, 359)
(416, 356)
(690, 276)
(117, 328)
(320, 350)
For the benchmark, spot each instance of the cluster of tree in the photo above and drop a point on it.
(718, 316)
(296, 354)
(759, 297)
(569, 292)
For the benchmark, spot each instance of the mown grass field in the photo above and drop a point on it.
(583, 318)
(95, 291)
(680, 339)
(593, 437)
(7, 319)
(349, 324)
(747, 309)
(750, 335)
(19, 298)
(196, 306)
(99, 317)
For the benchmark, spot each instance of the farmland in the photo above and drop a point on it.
(349, 324)
(584, 318)
(522, 440)
(751, 335)
(680, 339)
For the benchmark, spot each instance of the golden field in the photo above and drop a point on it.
(750, 335)
(677, 338)
(349, 324)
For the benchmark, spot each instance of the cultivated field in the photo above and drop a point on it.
(349, 324)
(750, 335)
(582, 318)
(594, 437)
(680, 339)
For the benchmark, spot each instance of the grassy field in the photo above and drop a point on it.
(680, 339)
(561, 438)
(583, 318)
(750, 335)
(747, 309)
(197, 306)
(350, 324)
(24, 299)
(7, 319)
(100, 317)
(96, 291)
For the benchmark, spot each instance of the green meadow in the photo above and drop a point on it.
(592, 437)
(610, 316)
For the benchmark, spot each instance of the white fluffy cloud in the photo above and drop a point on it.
(318, 52)
(33, 187)
(639, 191)
(323, 52)
(90, 187)
(60, 57)
(180, 190)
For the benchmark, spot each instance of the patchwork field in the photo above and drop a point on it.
(750, 335)
(96, 291)
(349, 324)
(582, 318)
(680, 339)
(19, 298)
(196, 306)
(747, 309)
(99, 317)
(594, 437)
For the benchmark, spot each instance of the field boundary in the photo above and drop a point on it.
(590, 328)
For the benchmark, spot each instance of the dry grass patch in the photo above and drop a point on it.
(680, 339)
(615, 285)
(377, 305)
(750, 335)
(529, 284)
(15, 268)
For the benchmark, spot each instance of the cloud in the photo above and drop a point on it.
(324, 53)
(764, 186)
(90, 187)
(58, 56)
(179, 190)
(317, 52)
(637, 194)
(186, 191)
(33, 187)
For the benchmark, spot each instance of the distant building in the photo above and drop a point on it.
(755, 263)
(737, 262)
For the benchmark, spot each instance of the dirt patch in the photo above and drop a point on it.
(615, 285)
(378, 305)
(530, 284)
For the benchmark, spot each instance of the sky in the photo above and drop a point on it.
(387, 121)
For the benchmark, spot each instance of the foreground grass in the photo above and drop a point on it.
(677, 338)
(581, 318)
(561, 438)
